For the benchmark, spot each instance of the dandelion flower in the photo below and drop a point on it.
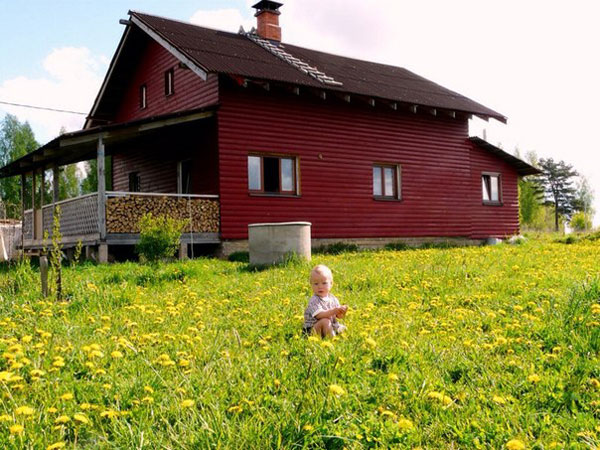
(405, 424)
(533, 378)
(499, 400)
(56, 446)
(16, 429)
(393, 377)
(308, 427)
(81, 418)
(515, 444)
(148, 389)
(188, 403)
(66, 396)
(24, 411)
(336, 390)
(5, 418)
(62, 419)
(109, 414)
(116, 354)
(371, 342)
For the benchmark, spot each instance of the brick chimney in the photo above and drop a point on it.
(267, 18)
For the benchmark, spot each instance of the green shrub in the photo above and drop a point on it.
(336, 248)
(397, 246)
(243, 257)
(581, 221)
(159, 237)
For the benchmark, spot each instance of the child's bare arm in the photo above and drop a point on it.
(333, 312)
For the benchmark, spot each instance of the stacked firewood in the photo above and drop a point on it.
(124, 213)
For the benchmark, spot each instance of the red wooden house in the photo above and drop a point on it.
(247, 129)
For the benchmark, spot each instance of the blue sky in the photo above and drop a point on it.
(30, 28)
(533, 61)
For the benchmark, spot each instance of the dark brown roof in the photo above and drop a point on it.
(235, 54)
(522, 167)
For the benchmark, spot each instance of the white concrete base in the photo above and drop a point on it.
(271, 243)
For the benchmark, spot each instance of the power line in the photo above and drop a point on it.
(43, 108)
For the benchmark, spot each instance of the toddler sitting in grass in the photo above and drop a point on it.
(323, 310)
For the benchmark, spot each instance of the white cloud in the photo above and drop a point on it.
(222, 19)
(73, 79)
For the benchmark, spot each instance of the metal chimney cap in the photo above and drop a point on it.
(267, 5)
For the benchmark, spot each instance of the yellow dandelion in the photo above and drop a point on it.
(62, 419)
(24, 411)
(116, 354)
(66, 396)
(308, 427)
(235, 409)
(405, 424)
(16, 429)
(533, 378)
(81, 418)
(371, 342)
(499, 400)
(109, 414)
(56, 445)
(393, 377)
(515, 444)
(336, 390)
(148, 389)
(148, 400)
(188, 403)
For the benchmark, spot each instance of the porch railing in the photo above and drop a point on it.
(79, 215)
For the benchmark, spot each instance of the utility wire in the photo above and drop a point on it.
(41, 107)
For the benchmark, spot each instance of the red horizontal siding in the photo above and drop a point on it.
(336, 191)
(488, 220)
(191, 91)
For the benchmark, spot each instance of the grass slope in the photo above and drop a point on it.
(478, 348)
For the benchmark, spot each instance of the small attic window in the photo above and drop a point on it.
(169, 82)
(143, 97)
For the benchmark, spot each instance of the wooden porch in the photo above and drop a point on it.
(81, 219)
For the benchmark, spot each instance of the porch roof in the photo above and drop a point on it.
(81, 145)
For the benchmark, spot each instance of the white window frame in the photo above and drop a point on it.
(486, 188)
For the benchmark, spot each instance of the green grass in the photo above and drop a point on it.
(465, 348)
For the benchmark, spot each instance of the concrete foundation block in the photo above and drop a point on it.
(271, 243)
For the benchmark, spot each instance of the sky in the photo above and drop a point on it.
(534, 61)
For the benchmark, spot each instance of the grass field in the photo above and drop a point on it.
(464, 348)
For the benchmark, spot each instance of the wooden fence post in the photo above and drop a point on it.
(44, 274)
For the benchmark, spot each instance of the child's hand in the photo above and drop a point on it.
(341, 311)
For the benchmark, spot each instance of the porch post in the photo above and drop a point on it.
(23, 215)
(55, 186)
(102, 247)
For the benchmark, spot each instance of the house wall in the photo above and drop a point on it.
(497, 221)
(155, 158)
(337, 144)
(191, 92)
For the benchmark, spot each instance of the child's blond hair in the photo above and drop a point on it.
(322, 269)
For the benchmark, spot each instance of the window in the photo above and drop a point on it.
(143, 103)
(386, 181)
(169, 82)
(184, 177)
(491, 188)
(134, 182)
(272, 174)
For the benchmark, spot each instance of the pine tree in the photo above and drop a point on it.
(557, 180)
